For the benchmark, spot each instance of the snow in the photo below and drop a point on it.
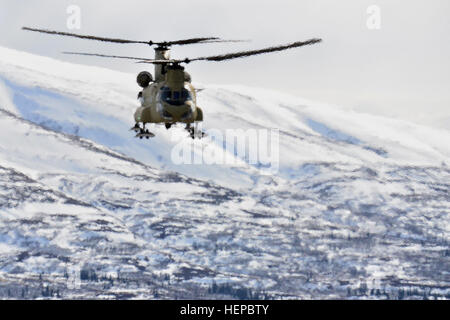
(356, 198)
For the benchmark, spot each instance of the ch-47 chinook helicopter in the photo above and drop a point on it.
(169, 97)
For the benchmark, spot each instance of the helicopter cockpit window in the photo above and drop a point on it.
(176, 98)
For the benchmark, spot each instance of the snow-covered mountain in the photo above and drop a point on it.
(359, 205)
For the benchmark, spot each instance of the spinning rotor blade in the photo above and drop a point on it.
(103, 55)
(223, 57)
(121, 57)
(84, 36)
(195, 40)
(243, 54)
(114, 40)
(240, 54)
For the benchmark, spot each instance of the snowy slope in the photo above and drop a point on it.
(359, 207)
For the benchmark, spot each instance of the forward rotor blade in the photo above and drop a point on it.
(243, 54)
(84, 36)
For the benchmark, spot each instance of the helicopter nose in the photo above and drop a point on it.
(179, 112)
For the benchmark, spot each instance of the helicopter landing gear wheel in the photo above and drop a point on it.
(144, 133)
(194, 132)
(136, 128)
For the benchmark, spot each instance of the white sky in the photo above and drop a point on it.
(401, 70)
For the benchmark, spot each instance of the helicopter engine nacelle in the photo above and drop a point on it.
(144, 78)
(187, 77)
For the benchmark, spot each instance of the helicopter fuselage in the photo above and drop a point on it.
(163, 103)
(171, 98)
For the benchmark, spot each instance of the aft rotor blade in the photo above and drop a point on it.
(104, 55)
(140, 60)
(153, 61)
(88, 37)
(198, 40)
(188, 41)
(115, 40)
(243, 54)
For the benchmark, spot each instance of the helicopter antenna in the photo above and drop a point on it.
(125, 41)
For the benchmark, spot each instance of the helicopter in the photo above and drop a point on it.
(169, 97)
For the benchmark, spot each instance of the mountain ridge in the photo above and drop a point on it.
(358, 209)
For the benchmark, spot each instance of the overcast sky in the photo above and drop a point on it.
(401, 69)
